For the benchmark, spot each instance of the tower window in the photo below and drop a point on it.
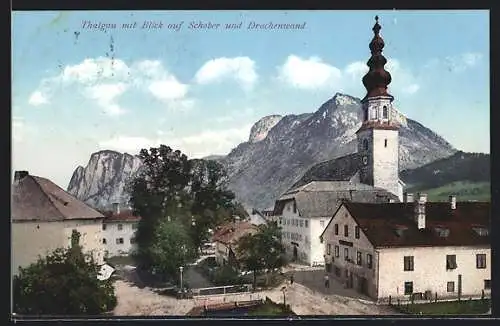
(365, 144)
(385, 142)
(385, 114)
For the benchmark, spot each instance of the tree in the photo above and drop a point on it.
(63, 283)
(262, 250)
(172, 248)
(172, 187)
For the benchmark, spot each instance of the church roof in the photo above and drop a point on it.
(382, 224)
(341, 169)
(322, 198)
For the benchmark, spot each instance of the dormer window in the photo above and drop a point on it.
(481, 230)
(385, 113)
(400, 230)
(442, 231)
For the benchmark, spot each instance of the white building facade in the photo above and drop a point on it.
(118, 232)
(394, 251)
(303, 213)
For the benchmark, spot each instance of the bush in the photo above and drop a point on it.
(63, 283)
(226, 275)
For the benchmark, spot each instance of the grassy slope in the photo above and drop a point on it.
(465, 307)
(464, 190)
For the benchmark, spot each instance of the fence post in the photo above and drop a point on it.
(389, 300)
(435, 297)
(399, 302)
(482, 295)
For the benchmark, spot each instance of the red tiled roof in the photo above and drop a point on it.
(232, 232)
(380, 221)
(39, 199)
(123, 216)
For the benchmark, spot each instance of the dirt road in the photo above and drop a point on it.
(134, 301)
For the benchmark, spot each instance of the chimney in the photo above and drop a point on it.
(116, 208)
(420, 210)
(453, 202)
(408, 197)
(19, 175)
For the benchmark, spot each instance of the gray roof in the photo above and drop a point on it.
(39, 199)
(322, 198)
(341, 169)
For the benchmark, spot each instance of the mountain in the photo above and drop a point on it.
(260, 171)
(103, 180)
(280, 149)
(466, 175)
(461, 166)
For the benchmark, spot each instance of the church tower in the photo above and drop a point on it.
(378, 143)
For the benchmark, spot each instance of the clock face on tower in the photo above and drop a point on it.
(365, 160)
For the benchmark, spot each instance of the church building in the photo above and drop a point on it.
(369, 176)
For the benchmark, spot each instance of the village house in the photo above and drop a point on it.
(226, 240)
(119, 227)
(415, 248)
(257, 218)
(303, 213)
(43, 219)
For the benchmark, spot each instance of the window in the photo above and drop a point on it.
(322, 223)
(301, 223)
(369, 261)
(481, 261)
(487, 284)
(346, 230)
(306, 239)
(408, 288)
(120, 227)
(481, 231)
(451, 261)
(356, 232)
(359, 258)
(408, 263)
(346, 254)
(104, 241)
(134, 226)
(450, 287)
(365, 144)
(336, 229)
(385, 113)
(306, 223)
(385, 142)
(132, 240)
(119, 241)
(104, 227)
(337, 251)
(328, 249)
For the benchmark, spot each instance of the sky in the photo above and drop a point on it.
(84, 81)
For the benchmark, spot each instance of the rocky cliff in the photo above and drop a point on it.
(279, 151)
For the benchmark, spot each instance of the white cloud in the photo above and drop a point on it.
(128, 144)
(105, 95)
(204, 143)
(38, 98)
(104, 80)
(313, 74)
(310, 74)
(240, 69)
(462, 62)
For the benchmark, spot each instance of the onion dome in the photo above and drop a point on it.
(377, 78)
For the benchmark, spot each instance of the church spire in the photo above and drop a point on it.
(377, 78)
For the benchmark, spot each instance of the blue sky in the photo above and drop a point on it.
(78, 90)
